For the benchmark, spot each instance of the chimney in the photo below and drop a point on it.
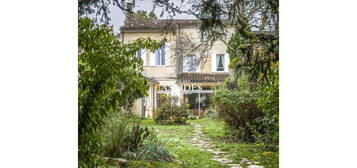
(130, 14)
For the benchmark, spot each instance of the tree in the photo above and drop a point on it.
(108, 78)
(141, 14)
(100, 8)
(254, 44)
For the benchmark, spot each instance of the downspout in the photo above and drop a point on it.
(178, 61)
(122, 38)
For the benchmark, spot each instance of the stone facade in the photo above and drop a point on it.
(166, 74)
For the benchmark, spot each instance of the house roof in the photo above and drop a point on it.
(151, 80)
(194, 77)
(158, 24)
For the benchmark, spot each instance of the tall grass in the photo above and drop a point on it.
(125, 137)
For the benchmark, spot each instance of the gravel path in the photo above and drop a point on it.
(204, 143)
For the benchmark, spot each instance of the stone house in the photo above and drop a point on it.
(179, 67)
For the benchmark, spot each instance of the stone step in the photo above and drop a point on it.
(222, 160)
(234, 165)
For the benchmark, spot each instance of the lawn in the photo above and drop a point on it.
(215, 129)
(176, 138)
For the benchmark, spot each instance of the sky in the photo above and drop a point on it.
(117, 16)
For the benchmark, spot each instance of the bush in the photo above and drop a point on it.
(124, 137)
(169, 112)
(152, 150)
(193, 117)
(211, 113)
(239, 110)
(267, 130)
(103, 88)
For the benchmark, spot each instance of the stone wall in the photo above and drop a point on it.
(166, 74)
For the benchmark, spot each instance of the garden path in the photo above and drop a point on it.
(204, 143)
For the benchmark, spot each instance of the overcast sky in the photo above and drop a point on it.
(117, 16)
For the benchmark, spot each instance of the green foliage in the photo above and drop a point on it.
(108, 79)
(152, 164)
(141, 14)
(211, 112)
(152, 150)
(239, 110)
(122, 133)
(267, 130)
(252, 111)
(216, 130)
(177, 141)
(124, 137)
(254, 56)
(99, 8)
(169, 112)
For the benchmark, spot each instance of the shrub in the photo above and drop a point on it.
(239, 110)
(124, 137)
(122, 133)
(104, 88)
(267, 130)
(152, 149)
(169, 112)
(211, 113)
(193, 117)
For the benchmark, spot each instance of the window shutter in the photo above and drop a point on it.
(213, 62)
(152, 58)
(162, 55)
(226, 62)
(143, 56)
(157, 57)
(167, 54)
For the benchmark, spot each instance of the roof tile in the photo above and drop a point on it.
(194, 77)
(140, 24)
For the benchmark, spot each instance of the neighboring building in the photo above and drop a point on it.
(174, 70)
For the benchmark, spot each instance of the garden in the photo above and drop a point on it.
(243, 133)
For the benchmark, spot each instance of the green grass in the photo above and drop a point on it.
(154, 164)
(176, 138)
(215, 129)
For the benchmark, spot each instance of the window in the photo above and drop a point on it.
(160, 56)
(204, 36)
(220, 62)
(141, 54)
(138, 53)
(191, 63)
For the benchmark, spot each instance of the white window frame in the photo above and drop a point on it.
(166, 59)
(214, 62)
